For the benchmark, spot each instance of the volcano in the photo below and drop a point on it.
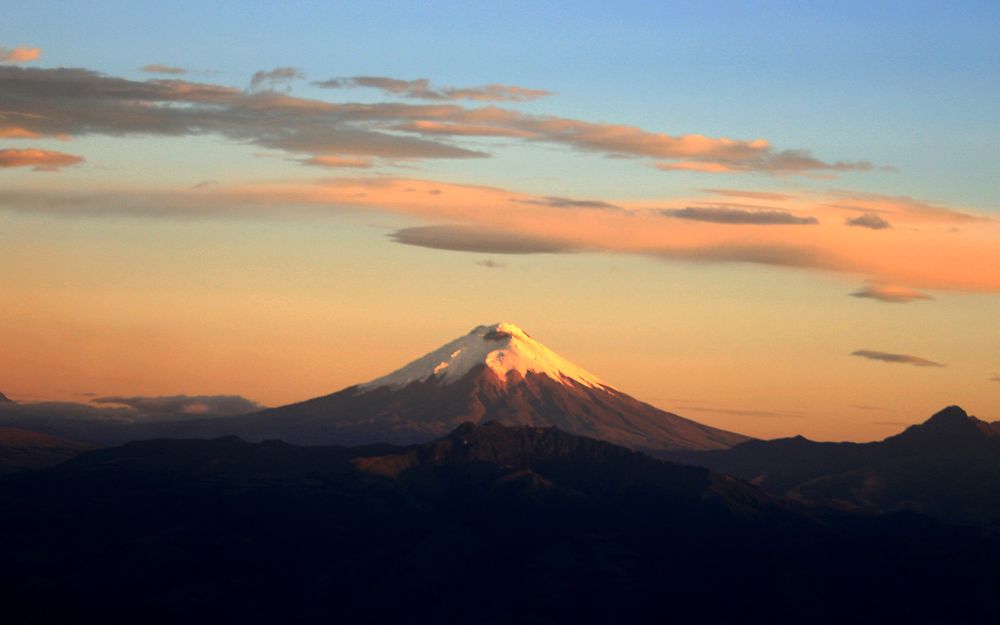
(496, 372)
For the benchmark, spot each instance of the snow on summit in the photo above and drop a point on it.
(503, 347)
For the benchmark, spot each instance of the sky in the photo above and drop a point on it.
(777, 218)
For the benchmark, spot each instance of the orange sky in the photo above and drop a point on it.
(281, 233)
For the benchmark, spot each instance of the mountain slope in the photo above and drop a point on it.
(24, 449)
(489, 525)
(495, 373)
(947, 467)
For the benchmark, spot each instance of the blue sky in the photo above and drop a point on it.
(911, 85)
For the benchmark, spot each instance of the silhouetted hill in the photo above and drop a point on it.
(23, 449)
(490, 524)
(947, 467)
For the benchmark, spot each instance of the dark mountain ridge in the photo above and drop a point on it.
(490, 524)
(947, 467)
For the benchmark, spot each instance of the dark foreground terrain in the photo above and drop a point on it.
(489, 525)
(947, 467)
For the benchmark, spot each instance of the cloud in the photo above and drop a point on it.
(489, 263)
(278, 78)
(765, 160)
(563, 202)
(460, 238)
(902, 206)
(777, 255)
(16, 132)
(869, 220)
(961, 261)
(691, 152)
(184, 405)
(468, 130)
(720, 215)
(421, 89)
(75, 102)
(20, 54)
(995, 378)
(749, 413)
(698, 166)
(78, 102)
(753, 195)
(156, 68)
(895, 358)
(338, 162)
(39, 160)
(890, 293)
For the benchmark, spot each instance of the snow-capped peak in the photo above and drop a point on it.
(503, 347)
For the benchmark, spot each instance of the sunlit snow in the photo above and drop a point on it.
(503, 347)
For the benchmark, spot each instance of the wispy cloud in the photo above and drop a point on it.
(77, 102)
(338, 162)
(489, 263)
(156, 68)
(905, 359)
(278, 78)
(490, 220)
(891, 293)
(900, 205)
(773, 254)
(473, 239)
(565, 202)
(73, 102)
(869, 220)
(39, 160)
(753, 195)
(421, 89)
(20, 54)
(766, 160)
(749, 413)
(184, 405)
(721, 215)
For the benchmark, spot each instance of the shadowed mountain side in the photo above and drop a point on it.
(23, 449)
(488, 525)
(947, 467)
(428, 409)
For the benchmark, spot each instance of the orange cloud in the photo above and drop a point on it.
(891, 293)
(40, 160)
(16, 132)
(156, 68)
(753, 195)
(903, 207)
(699, 166)
(20, 54)
(338, 161)
(468, 130)
(807, 233)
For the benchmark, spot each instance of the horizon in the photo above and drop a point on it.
(776, 220)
